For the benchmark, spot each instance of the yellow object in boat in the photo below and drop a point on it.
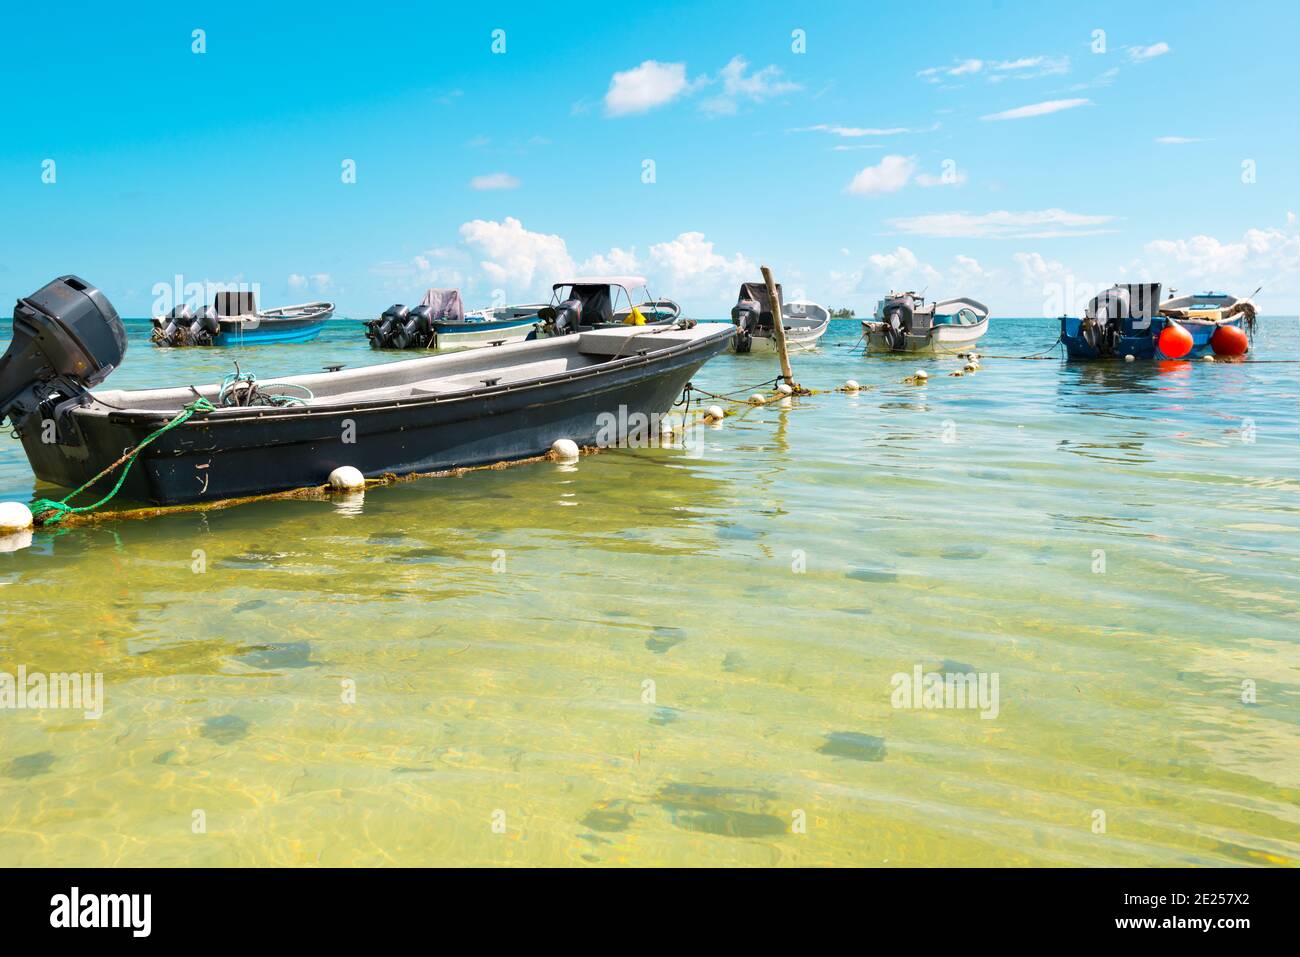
(634, 318)
(1209, 315)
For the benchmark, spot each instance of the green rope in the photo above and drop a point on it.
(43, 506)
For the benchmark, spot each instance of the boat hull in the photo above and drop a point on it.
(1078, 349)
(276, 449)
(258, 332)
(801, 341)
(943, 340)
(474, 335)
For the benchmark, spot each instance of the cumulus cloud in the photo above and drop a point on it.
(1002, 224)
(888, 176)
(516, 258)
(617, 262)
(1137, 54)
(1261, 254)
(1037, 109)
(739, 85)
(494, 181)
(320, 281)
(951, 176)
(690, 264)
(645, 87)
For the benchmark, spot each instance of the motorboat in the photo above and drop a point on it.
(247, 437)
(905, 322)
(600, 302)
(1130, 320)
(803, 322)
(234, 320)
(440, 322)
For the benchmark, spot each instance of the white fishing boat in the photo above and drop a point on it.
(599, 302)
(904, 322)
(803, 322)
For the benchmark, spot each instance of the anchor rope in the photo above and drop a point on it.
(51, 512)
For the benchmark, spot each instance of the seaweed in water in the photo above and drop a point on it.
(225, 728)
(853, 745)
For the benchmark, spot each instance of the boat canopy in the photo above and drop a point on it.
(757, 292)
(445, 303)
(627, 282)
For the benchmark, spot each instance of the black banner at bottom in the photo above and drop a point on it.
(335, 906)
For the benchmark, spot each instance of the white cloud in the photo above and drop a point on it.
(901, 268)
(854, 132)
(617, 262)
(1037, 109)
(1105, 78)
(1028, 68)
(1260, 256)
(512, 257)
(739, 85)
(689, 266)
(1176, 140)
(494, 181)
(320, 281)
(888, 176)
(1001, 224)
(645, 87)
(1138, 54)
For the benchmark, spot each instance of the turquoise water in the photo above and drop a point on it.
(658, 657)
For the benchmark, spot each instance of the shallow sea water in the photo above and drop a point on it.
(620, 662)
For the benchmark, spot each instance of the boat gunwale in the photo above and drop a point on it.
(151, 417)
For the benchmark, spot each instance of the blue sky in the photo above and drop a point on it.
(1066, 168)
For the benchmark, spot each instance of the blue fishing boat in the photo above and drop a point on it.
(235, 320)
(1129, 321)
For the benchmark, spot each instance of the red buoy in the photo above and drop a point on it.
(1229, 341)
(1174, 341)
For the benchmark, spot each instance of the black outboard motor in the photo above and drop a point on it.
(173, 328)
(380, 331)
(204, 328)
(746, 314)
(67, 338)
(897, 318)
(562, 319)
(416, 331)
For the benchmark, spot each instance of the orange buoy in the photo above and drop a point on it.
(1174, 341)
(1229, 341)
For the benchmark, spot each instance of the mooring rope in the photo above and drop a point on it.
(50, 512)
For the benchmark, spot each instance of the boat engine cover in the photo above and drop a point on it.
(67, 338)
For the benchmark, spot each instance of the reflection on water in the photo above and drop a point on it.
(652, 657)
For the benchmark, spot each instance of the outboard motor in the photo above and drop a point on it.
(746, 314)
(67, 338)
(380, 331)
(562, 319)
(416, 331)
(204, 328)
(897, 318)
(173, 328)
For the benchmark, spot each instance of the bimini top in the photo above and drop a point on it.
(627, 282)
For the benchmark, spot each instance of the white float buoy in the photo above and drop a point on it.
(566, 450)
(1207, 358)
(972, 367)
(1129, 357)
(667, 425)
(851, 385)
(785, 388)
(921, 374)
(347, 479)
(757, 399)
(714, 413)
(14, 517)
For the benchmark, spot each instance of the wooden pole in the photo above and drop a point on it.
(778, 327)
